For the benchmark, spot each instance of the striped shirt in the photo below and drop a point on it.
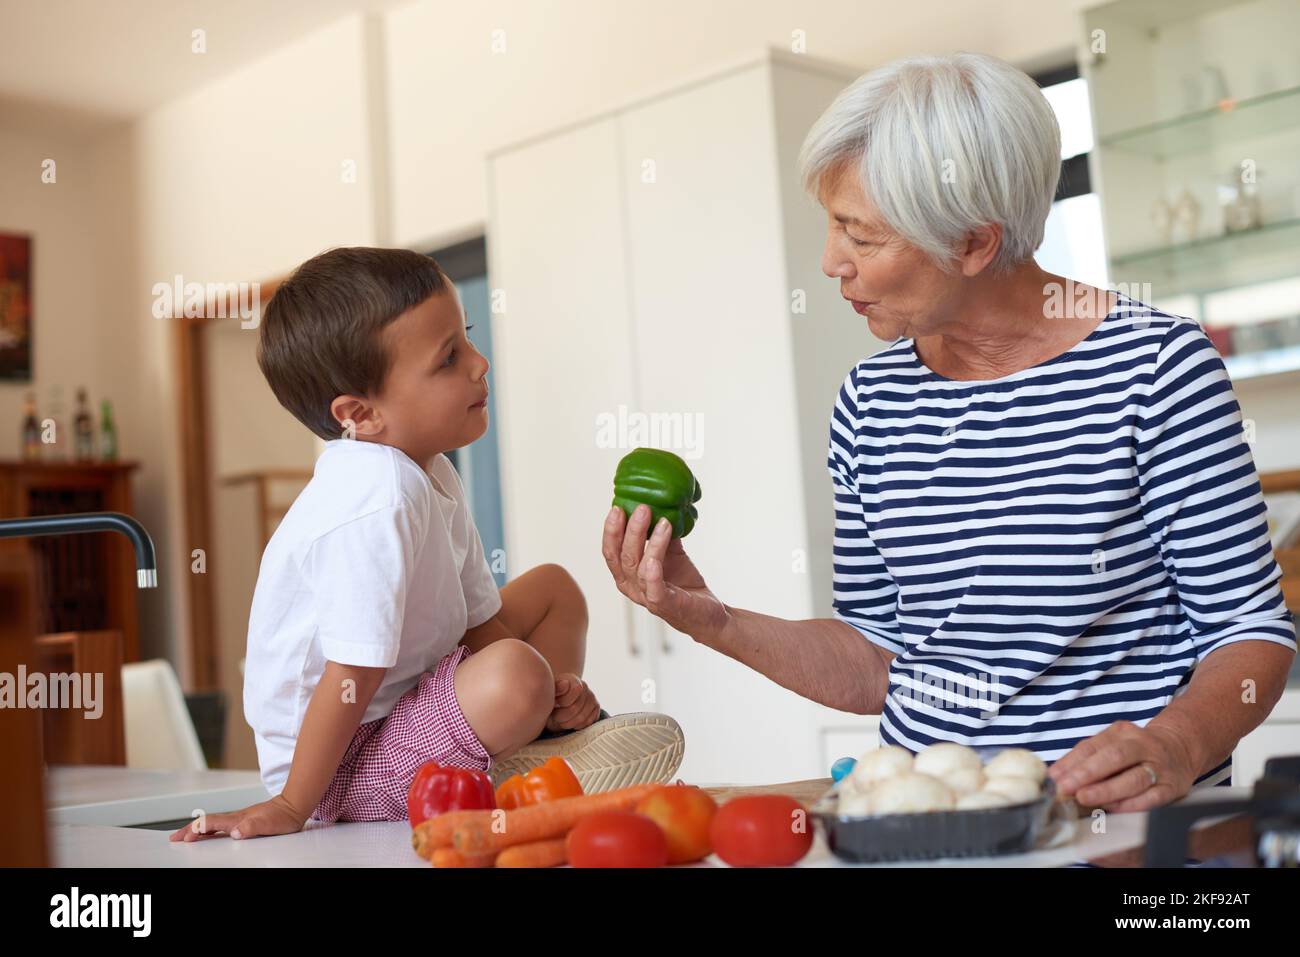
(1055, 550)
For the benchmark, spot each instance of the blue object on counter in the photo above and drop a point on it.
(841, 768)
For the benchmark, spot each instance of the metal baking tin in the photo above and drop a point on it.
(979, 832)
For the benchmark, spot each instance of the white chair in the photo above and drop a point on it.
(159, 730)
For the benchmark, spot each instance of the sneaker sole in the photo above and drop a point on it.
(642, 747)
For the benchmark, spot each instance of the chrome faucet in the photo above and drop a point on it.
(146, 565)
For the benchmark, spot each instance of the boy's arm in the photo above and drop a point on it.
(333, 716)
(480, 636)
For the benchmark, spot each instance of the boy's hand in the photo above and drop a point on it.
(275, 816)
(575, 705)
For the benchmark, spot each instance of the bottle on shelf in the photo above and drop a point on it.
(31, 430)
(54, 435)
(107, 432)
(84, 426)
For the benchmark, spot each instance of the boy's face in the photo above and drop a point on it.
(435, 395)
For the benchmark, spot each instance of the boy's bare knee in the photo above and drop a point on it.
(520, 681)
(506, 691)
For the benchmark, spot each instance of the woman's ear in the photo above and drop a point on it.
(982, 245)
(357, 416)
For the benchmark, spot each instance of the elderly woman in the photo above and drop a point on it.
(1049, 530)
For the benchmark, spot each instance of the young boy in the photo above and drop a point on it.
(378, 639)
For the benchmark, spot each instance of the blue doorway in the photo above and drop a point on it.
(479, 463)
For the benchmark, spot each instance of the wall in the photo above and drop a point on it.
(73, 345)
(241, 180)
(454, 98)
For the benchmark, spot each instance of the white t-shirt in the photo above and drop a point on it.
(377, 563)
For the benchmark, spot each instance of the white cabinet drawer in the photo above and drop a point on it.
(1270, 739)
(849, 741)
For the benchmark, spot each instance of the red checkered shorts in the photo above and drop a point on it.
(426, 724)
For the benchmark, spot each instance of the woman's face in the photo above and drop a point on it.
(896, 286)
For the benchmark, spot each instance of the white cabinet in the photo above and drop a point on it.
(712, 320)
(664, 259)
(562, 349)
(1278, 736)
(849, 740)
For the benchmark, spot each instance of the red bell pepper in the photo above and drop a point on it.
(436, 789)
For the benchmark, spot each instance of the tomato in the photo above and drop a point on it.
(616, 839)
(683, 812)
(762, 830)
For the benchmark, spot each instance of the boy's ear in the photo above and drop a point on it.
(354, 412)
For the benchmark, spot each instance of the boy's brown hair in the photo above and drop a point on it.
(320, 333)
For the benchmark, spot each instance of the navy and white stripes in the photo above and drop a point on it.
(1055, 550)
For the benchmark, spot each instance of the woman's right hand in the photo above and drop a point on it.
(658, 575)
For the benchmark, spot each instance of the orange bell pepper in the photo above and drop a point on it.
(546, 782)
(510, 792)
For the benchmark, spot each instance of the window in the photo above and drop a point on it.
(1073, 243)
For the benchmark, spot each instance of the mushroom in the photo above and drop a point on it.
(854, 803)
(964, 780)
(1017, 763)
(910, 792)
(877, 765)
(1019, 790)
(978, 800)
(943, 758)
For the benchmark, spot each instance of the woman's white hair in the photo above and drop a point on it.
(944, 144)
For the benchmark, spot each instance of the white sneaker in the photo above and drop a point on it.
(640, 747)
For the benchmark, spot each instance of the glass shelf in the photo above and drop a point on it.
(1251, 365)
(1203, 130)
(1267, 252)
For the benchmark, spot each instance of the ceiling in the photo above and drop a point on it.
(80, 65)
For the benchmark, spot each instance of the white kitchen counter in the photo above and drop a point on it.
(82, 795)
(94, 794)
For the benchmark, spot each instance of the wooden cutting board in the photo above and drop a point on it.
(805, 792)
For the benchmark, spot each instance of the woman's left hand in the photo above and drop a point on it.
(1109, 770)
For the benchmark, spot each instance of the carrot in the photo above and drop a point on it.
(435, 832)
(534, 854)
(450, 857)
(538, 822)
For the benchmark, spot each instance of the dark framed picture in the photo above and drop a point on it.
(15, 308)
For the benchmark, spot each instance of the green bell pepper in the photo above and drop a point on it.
(661, 480)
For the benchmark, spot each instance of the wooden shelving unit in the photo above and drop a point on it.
(86, 582)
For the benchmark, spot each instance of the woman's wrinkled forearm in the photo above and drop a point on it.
(1230, 694)
(823, 659)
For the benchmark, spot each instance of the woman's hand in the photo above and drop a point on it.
(1109, 770)
(275, 816)
(658, 575)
